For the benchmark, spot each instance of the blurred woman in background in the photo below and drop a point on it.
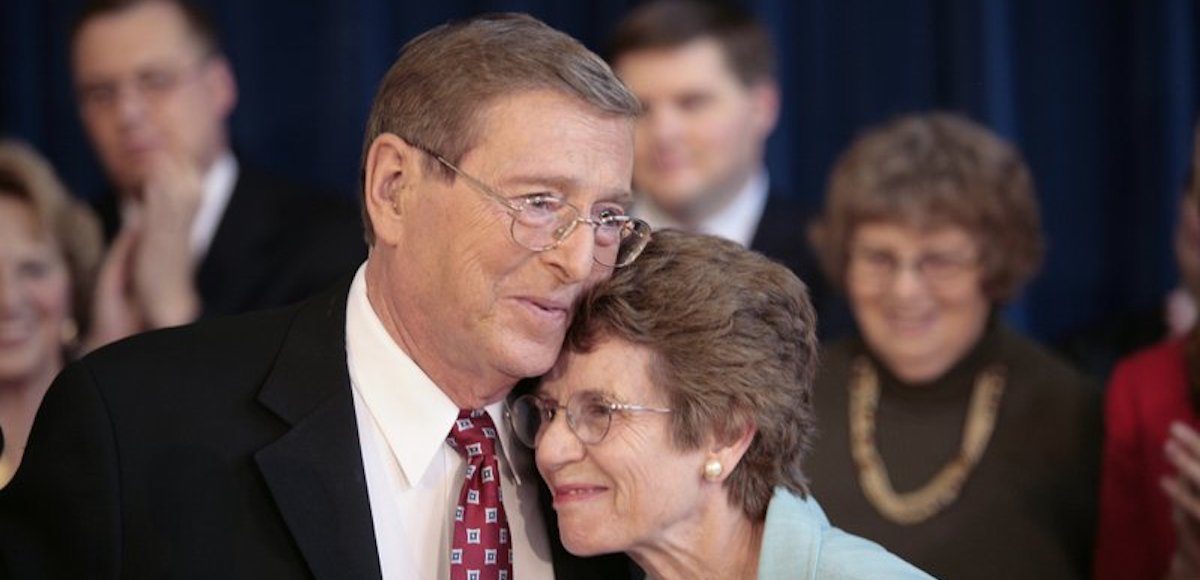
(1150, 491)
(50, 246)
(947, 437)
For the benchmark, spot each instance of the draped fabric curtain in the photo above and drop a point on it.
(1100, 95)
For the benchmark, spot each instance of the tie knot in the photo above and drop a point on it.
(473, 434)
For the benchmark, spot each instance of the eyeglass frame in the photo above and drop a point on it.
(152, 84)
(546, 405)
(961, 265)
(514, 210)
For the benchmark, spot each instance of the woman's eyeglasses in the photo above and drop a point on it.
(589, 416)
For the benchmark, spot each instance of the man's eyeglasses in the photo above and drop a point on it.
(542, 221)
(589, 415)
(153, 83)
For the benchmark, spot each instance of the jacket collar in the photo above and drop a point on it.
(315, 471)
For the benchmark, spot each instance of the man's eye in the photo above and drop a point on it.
(694, 101)
(938, 261)
(542, 202)
(97, 94)
(156, 80)
(606, 213)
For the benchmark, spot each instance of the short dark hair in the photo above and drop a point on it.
(436, 92)
(733, 337)
(665, 24)
(198, 20)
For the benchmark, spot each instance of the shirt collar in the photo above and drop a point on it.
(737, 221)
(218, 188)
(412, 412)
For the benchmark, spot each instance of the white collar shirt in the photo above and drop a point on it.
(413, 476)
(737, 221)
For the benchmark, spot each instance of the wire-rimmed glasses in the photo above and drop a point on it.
(879, 267)
(589, 416)
(542, 221)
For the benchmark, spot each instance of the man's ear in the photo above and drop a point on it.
(764, 96)
(222, 85)
(727, 454)
(391, 174)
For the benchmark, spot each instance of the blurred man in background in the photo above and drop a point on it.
(705, 73)
(193, 231)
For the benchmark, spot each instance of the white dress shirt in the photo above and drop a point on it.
(218, 188)
(737, 221)
(413, 476)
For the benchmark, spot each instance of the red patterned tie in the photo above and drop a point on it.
(481, 548)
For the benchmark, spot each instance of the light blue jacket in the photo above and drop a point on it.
(799, 543)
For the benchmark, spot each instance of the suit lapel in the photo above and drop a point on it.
(315, 470)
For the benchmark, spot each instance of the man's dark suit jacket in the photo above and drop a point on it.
(277, 243)
(225, 449)
(782, 235)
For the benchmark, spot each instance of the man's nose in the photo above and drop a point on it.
(130, 103)
(662, 124)
(574, 258)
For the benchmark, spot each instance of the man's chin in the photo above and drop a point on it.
(532, 359)
(677, 200)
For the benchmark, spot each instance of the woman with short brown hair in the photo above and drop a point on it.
(676, 424)
(949, 438)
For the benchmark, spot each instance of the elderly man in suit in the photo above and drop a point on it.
(361, 434)
(195, 231)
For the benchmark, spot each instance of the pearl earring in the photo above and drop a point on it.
(713, 469)
(68, 332)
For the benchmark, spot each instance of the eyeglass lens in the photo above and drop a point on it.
(542, 223)
(588, 416)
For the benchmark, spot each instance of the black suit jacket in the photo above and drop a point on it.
(225, 449)
(782, 235)
(276, 244)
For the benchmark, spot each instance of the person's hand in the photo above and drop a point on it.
(163, 266)
(1183, 490)
(116, 313)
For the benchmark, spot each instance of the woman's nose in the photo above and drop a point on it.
(557, 445)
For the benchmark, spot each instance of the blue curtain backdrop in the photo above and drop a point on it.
(1100, 96)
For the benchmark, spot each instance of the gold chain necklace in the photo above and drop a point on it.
(919, 505)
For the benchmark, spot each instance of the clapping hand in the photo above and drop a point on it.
(1183, 490)
(163, 265)
(147, 278)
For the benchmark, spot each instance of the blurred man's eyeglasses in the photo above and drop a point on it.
(589, 416)
(543, 221)
(152, 83)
